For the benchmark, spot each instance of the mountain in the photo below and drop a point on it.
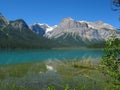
(3, 21)
(69, 33)
(41, 29)
(95, 30)
(38, 28)
(16, 34)
(19, 24)
(80, 33)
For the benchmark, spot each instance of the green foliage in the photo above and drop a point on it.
(51, 88)
(111, 61)
(67, 87)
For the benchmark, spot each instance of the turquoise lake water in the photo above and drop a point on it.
(20, 56)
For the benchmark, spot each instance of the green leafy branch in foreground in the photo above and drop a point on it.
(111, 61)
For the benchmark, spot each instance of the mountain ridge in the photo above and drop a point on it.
(81, 33)
(16, 34)
(68, 33)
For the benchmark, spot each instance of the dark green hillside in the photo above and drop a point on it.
(17, 35)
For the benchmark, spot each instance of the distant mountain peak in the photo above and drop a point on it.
(42, 25)
(19, 24)
(51, 28)
(100, 25)
(3, 21)
(38, 28)
(19, 21)
(67, 19)
(41, 29)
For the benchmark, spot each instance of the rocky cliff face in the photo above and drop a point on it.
(3, 21)
(19, 24)
(38, 28)
(41, 29)
(71, 32)
(82, 29)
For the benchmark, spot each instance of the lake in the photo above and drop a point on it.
(21, 56)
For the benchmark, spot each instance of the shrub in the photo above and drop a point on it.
(111, 61)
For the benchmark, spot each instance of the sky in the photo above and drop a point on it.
(53, 11)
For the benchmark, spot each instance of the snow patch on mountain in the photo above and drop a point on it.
(50, 28)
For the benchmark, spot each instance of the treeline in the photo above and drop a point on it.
(14, 38)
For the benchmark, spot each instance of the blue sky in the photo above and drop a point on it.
(53, 11)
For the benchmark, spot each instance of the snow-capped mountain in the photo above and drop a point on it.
(41, 29)
(82, 29)
(49, 29)
(38, 28)
(71, 32)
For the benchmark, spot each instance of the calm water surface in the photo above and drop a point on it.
(20, 56)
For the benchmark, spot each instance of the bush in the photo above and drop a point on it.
(111, 61)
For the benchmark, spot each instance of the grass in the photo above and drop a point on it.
(71, 75)
(19, 70)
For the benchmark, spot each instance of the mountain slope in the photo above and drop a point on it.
(69, 33)
(41, 29)
(16, 34)
(80, 33)
(3, 21)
